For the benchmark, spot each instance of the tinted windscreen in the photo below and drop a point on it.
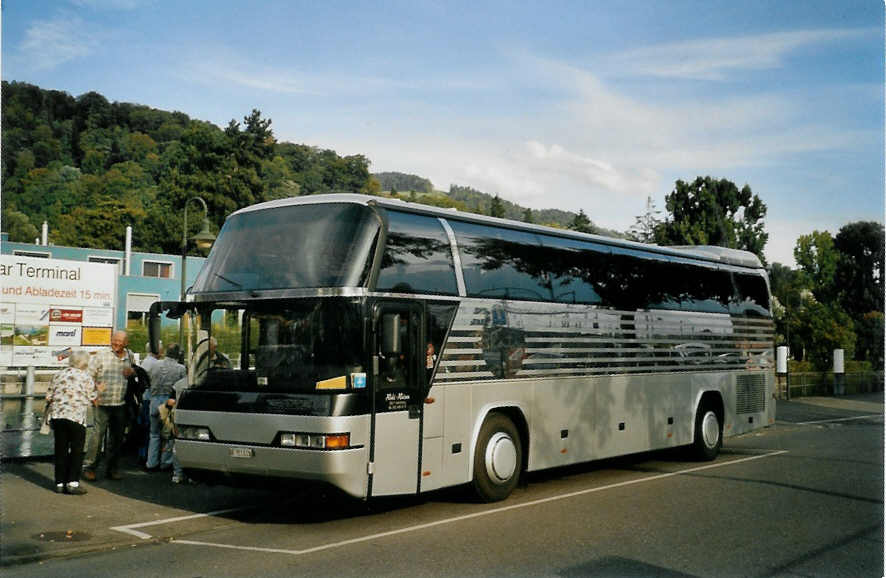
(417, 257)
(301, 246)
(284, 346)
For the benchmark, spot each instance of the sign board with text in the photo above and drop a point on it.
(51, 306)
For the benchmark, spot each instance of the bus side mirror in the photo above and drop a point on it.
(390, 333)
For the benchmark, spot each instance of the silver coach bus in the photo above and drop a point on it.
(390, 348)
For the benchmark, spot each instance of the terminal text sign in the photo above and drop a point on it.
(50, 306)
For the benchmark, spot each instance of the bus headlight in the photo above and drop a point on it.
(315, 441)
(295, 440)
(192, 432)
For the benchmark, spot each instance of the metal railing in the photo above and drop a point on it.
(821, 383)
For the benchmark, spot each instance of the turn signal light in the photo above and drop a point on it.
(337, 441)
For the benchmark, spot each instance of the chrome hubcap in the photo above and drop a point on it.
(710, 429)
(501, 458)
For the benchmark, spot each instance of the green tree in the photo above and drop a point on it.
(373, 187)
(787, 287)
(279, 181)
(859, 271)
(785, 283)
(714, 212)
(496, 209)
(820, 329)
(443, 201)
(249, 148)
(46, 193)
(869, 333)
(403, 182)
(646, 224)
(102, 227)
(19, 227)
(582, 223)
(817, 258)
(138, 146)
(349, 174)
(527, 215)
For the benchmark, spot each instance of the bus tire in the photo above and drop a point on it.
(708, 434)
(498, 458)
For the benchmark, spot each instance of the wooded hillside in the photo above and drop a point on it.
(89, 167)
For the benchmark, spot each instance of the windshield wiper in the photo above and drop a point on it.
(223, 278)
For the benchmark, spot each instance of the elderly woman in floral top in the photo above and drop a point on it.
(70, 393)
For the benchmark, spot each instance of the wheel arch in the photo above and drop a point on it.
(517, 414)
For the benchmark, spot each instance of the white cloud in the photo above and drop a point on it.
(266, 81)
(595, 173)
(714, 58)
(219, 64)
(594, 147)
(220, 67)
(49, 43)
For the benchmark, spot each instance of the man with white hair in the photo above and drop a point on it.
(70, 393)
(110, 368)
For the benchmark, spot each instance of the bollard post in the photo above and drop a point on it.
(839, 373)
(781, 368)
(28, 412)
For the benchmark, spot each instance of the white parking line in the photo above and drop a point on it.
(130, 528)
(839, 419)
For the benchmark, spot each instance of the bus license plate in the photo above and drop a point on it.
(241, 452)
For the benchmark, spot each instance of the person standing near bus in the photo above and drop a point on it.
(163, 375)
(110, 368)
(70, 393)
(430, 361)
(144, 413)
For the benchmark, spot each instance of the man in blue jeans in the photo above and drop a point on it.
(163, 375)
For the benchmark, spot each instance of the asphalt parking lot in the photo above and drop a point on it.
(145, 508)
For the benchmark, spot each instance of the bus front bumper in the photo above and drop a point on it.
(345, 469)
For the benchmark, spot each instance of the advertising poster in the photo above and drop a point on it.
(64, 335)
(7, 330)
(96, 336)
(52, 306)
(31, 325)
(98, 317)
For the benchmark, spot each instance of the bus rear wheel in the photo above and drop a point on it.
(708, 434)
(498, 458)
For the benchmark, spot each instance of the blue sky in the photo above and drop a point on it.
(574, 105)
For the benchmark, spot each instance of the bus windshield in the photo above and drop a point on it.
(303, 246)
(291, 346)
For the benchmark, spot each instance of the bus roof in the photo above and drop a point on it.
(715, 254)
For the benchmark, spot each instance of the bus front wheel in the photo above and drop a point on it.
(708, 434)
(498, 458)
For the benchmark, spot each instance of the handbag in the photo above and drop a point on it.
(167, 421)
(44, 426)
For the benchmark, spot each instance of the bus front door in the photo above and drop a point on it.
(397, 400)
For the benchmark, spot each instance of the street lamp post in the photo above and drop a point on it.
(203, 240)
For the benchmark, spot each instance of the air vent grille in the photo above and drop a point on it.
(750, 393)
